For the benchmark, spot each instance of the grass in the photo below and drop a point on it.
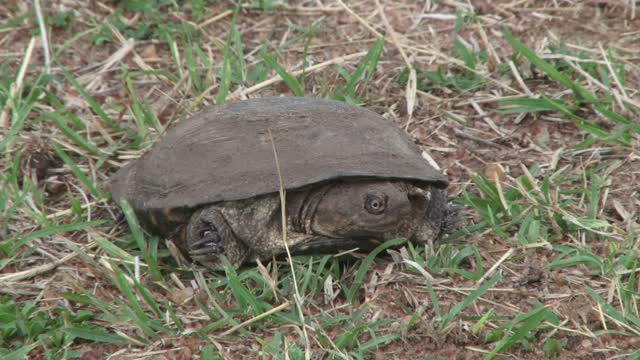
(542, 153)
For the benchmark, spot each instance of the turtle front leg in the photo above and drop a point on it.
(209, 237)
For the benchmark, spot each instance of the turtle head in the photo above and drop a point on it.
(371, 211)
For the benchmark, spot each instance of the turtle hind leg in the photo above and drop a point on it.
(209, 237)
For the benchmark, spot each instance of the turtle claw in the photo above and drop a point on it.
(210, 243)
(209, 239)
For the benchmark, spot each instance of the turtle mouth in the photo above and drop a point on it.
(325, 245)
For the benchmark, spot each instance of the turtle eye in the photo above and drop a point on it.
(375, 203)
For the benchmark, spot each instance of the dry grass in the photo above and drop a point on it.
(539, 134)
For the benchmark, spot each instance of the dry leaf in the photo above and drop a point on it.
(181, 296)
(150, 53)
(495, 172)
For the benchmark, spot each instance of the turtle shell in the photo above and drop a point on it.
(226, 153)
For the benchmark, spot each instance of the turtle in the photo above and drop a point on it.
(350, 179)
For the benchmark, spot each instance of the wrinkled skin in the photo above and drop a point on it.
(327, 218)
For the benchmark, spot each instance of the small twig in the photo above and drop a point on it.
(505, 306)
(496, 265)
(487, 44)
(498, 184)
(462, 134)
(93, 79)
(616, 321)
(486, 100)
(107, 265)
(516, 75)
(283, 212)
(254, 319)
(362, 21)
(136, 58)
(214, 19)
(487, 119)
(392, 34)
(35, 271)
(614, 75)
(302, 10)
(127, 46)
(411, 88)
(631, 9)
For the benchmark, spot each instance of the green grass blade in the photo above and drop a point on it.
(473, 296)
(547, 68)
(87, 97)
(148, 298)
(225, 75)
(172, 313)
(208, 353)
(345, 340)
(136, 314)
(628, 318)
(379, 340)
(60, 122)
(96, 335)
(368, 64)
(147, 247)
(245, 297)
(22, 353)
(237, 40)
(358, 280)
(77, 172)
(192, 67)
(532, 320)
(113, 250)
(528, 105)
(134, 225)
(289, 79)
(618, 118)
(15, 243)
(20, 111)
